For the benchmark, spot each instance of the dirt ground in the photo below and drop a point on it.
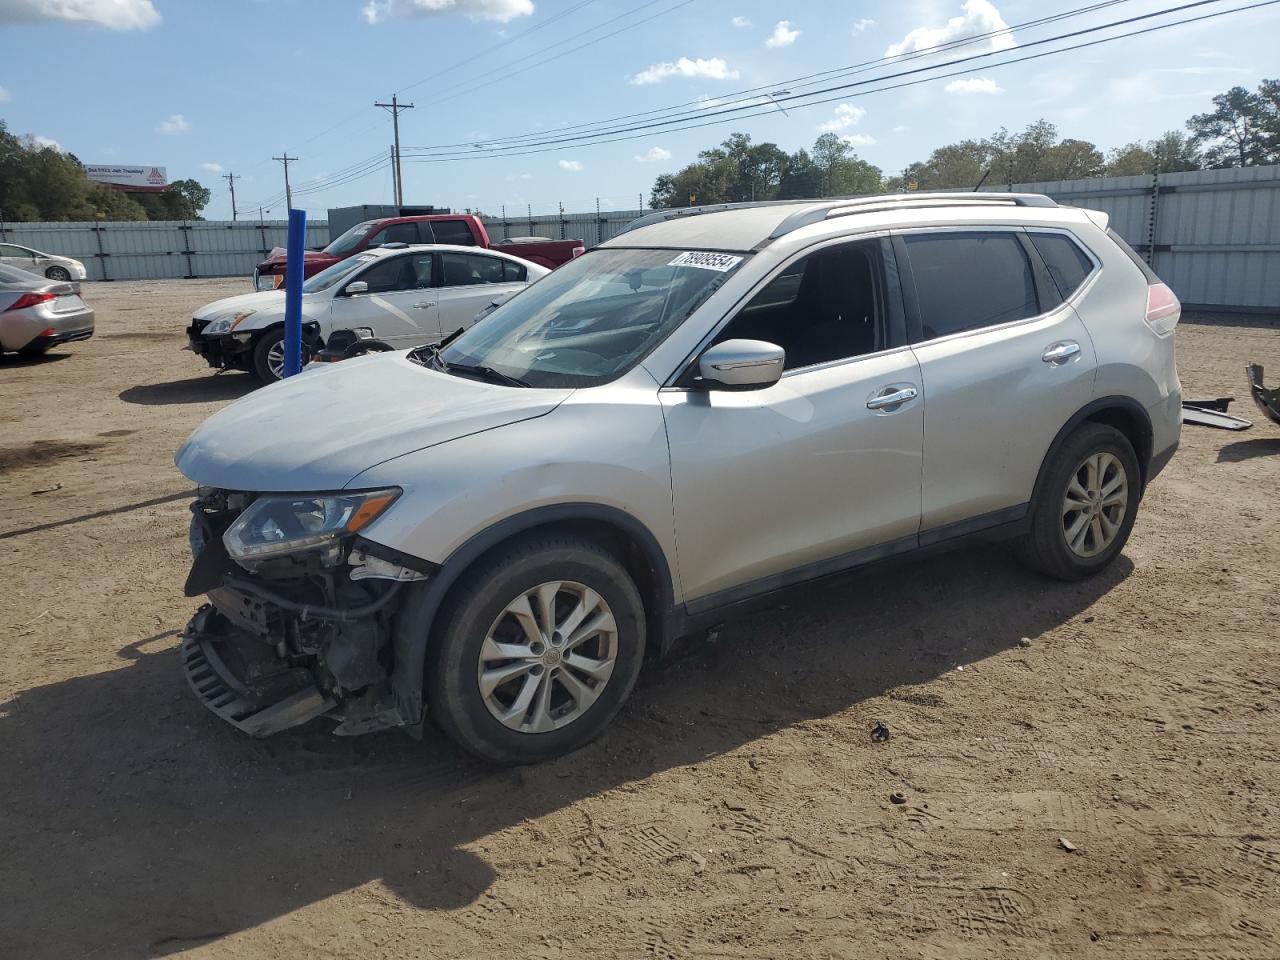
(737, 808)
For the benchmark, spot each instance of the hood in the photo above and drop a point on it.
(272, 300)
(317, 431)
(279, 255)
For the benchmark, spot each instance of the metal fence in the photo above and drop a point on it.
(155, 250)
(1213, 235)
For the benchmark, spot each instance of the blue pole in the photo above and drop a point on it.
(293, 293)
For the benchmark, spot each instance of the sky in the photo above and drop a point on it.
(208, 88)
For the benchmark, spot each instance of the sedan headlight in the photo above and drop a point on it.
(226, 324)
(274, 525)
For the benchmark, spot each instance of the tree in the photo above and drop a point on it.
(1171, 152)
(40, 182)
(1239, 131)
(800, 177)
(180, 200)
(841, 170)
(1131, 160)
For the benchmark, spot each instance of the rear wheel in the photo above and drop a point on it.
(1086, 506)
(540, 647)
(58, 273)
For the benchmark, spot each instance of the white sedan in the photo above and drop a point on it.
(406, 295)
(45, 264)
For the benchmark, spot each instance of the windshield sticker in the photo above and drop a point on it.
(719, 262)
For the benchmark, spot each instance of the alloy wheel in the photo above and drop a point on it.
(547, 657)
(275, 360)
(1093, 509)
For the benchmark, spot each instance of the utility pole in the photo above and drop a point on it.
(395, 178)
(288, 191)
(396, 108)
(231, 181)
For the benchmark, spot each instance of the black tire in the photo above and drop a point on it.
(30, 353)
(454, 698)
(1045, 545)
(260, 362)
(61, 274)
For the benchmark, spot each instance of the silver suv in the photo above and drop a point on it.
(713, 406)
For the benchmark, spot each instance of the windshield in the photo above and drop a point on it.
(335, 274)
(593, 319)
(349, 240)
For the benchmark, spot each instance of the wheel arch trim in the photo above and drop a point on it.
(1090, 411)
(417, 616)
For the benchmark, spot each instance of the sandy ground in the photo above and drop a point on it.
(738, 808)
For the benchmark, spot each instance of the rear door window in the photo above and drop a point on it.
(465, 269)
(453, 231)
(514, 272)
(396, 233)
(1068, 264)
(969, 280)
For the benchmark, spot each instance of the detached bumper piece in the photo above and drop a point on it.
(1268, 401)
(238, 677)
(1213, 413)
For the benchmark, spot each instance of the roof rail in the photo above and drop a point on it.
(815, 211)
(847, 207)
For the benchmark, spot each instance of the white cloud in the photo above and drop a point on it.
(966, 85)
(713, 68)
(500, 10)
(847, 115)
(653, 155)
(176, 123)
(900, 128)
(573, 166)
(980, 17)
(858, 139)
(866, 23)
(212, 167)
(5, 96)
(512, 177)
(740, 22)
(47, 142)
(113, 14)
(784, 35)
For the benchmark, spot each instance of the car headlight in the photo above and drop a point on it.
(227, 324)
(275, 524)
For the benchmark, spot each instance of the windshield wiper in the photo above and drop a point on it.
(487, 373)
(431, 351)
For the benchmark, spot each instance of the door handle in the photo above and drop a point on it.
(892, 397)
(1060, 352)
(424, 305)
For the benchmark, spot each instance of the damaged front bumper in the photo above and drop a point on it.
(284, 642)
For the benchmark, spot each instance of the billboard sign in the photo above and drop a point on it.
(127, 176)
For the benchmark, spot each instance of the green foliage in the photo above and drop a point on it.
(739, 170)
(42, 183)
(1171, 152)
(1242, 129)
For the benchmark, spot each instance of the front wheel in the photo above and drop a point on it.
(539, 649)
(268, 356)
(61, 274)
(1086, 506)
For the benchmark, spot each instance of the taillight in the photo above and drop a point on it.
(30, 300)
(579, 251)
(1163, 309)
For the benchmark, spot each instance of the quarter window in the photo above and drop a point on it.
(514, 272)
(823, 307)
(1067, 263)
(970, 280)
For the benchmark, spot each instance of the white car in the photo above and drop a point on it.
(406, 296)
(45, 264)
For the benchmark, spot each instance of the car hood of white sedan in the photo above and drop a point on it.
(318, 430)
(265, 301)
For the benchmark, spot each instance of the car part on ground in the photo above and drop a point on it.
(345, 344)
(1213, 413)
(404, 296)
(36, 314)
(788, 391)
(1268, 401)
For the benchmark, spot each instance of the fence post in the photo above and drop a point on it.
(97, 229)
(1153, 218)
(186, 251)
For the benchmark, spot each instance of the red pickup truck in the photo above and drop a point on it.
(462, 229)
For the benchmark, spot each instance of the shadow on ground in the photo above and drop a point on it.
(35, 360)
(135, 824)
(205, 389)
(1248, 449)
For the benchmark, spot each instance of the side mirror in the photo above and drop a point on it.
(356, 286)
(742, 365)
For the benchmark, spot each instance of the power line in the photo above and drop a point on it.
(802, 99)
(880, 89)
(807, 79)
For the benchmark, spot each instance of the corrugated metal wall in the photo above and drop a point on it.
(155, 250)
(1214, 235)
